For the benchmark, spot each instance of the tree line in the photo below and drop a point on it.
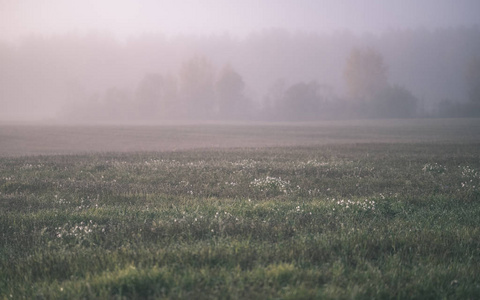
(271, 75)
(200, 93)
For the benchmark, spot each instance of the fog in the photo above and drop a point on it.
(159, 61)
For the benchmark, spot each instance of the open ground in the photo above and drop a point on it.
(331, 210)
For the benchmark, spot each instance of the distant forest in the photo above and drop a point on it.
(273, 75)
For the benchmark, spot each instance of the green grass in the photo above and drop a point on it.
(338, 221)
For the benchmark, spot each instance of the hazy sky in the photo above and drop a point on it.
(239, 17)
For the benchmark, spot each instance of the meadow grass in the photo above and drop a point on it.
(338, 221)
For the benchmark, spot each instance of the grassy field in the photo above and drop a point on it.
(363, 210)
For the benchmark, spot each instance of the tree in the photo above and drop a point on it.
(300, 101)
(155, 96)
(365, 74)
(394, 102)
(473, 80)
(116, 104)
(229, 89)
(148, 95)
(272, 97)
(366, 77)
(196, 84)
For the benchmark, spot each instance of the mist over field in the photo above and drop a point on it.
(239, 149)
(150, 61)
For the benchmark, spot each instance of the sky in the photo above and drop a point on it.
(124, 18)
